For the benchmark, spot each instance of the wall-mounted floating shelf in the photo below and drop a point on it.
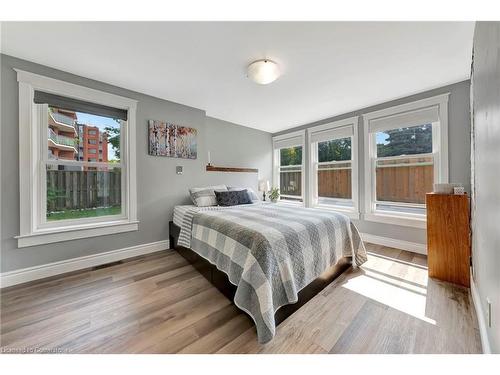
(211, 168)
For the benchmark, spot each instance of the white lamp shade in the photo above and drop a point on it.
(264, 185)
(263, 71)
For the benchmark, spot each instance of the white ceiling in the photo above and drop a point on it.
(329, 68)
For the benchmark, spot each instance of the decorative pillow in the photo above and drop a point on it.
(232, 198)
(205, 196)
(250, 191)
(244, 197)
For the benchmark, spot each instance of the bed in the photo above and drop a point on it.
(268, 258)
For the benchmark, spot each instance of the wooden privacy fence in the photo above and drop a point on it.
(335, 183)
(67, 190)
(394, 184)
(331, 183)
(405, 184)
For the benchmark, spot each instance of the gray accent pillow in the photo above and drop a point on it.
(205, 196)
(230, 198)
(251, 193)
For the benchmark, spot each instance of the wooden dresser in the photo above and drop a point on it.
(448, 237)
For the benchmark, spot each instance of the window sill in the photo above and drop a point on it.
(75, 232)
(290, 203)
(408, 220)
(342, 210)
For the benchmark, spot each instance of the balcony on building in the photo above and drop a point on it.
(63, 122)
(61, 142)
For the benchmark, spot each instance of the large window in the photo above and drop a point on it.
(75, 189)
(66, 193)
(289, 166)
(333, 167)
(406, 154)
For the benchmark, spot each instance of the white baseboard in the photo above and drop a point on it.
(476, 299)
(414, 247)
(51, 269)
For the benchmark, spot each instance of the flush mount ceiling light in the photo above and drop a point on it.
(263, 71)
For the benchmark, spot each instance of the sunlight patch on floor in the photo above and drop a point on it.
(399, 297)
(417, 286)
(373, 256)
(388, 281)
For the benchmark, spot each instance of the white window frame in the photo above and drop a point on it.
(276, 163)
(352, 212)
(439, 152)
(34, 230)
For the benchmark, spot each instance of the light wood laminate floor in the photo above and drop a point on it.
(160, 304)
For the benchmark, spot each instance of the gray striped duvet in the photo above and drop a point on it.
(270, 252)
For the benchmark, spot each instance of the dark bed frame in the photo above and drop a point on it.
(221, 281)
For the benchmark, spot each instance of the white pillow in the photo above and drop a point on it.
(205, 196)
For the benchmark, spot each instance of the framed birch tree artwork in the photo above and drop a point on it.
(175, 141)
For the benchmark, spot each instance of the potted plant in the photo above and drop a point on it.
(274, 194)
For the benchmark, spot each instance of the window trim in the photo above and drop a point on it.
(353, 122)
(30, 154)
(439, 150)
(276, 164)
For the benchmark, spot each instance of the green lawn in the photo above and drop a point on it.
(78, 214)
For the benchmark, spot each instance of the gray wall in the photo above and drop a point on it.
(458, 145)
(486, 168)
(159, 188)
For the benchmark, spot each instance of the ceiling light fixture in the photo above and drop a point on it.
(263, 71)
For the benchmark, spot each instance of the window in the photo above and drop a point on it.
(291, 173)
(93, 132)
(289, 166)
(406, 154)
(92, 141)
(54, 206)
(334, 167)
